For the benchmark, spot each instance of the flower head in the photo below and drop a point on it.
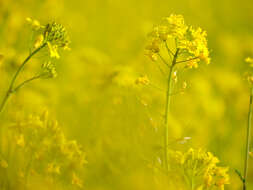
(56, 34)
(191, 43)
(48, 70)
(53, 35)
(202, 166)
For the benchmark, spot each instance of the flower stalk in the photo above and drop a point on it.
(11, 88)
(247, 149)
(192, 44)
(167, 111)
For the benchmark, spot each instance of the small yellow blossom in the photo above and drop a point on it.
(20, 141)
(142, 80)
(184, 85)
(53, 50)
(174, 76)
(76, 181)
(34, 23)
(192, 64)
(249, 60)
(39, 41)
(53, 168)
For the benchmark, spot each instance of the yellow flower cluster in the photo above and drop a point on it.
(53, 35)
(249, 60)
(48, 70)
(52, 154)
(144, 80)
(191, 43)
(249, 73)
(200, 168)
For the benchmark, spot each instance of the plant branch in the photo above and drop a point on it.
(167, 112)
(168, 49)
(164, 61)
(25, 82)
(187, 60)
(246, 161)
(10, 89)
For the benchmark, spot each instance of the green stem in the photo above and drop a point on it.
(10, 89)
(167, 111)
(246, 161)
(168, 49)
(187, 60)
(25, 82)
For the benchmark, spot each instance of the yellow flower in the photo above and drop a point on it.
(184, 85)
(76, 181)
(208, 179)
(39, 41)
(53, 50)
(34, 23)
(142, 80)
(191, 42)
(3, 164)
(249, 60)
(52, 168)
(20, 141)
(200, 165)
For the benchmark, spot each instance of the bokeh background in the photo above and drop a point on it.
(95, 98)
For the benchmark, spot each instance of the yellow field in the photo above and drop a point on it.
(111, 120)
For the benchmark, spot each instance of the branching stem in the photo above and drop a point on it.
(187, 60)
(11, 88)
(167, 111)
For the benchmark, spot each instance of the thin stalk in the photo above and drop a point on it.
(246, 161)
(167, 112)
(187, 60)
(25, 82)
(163, 60)
(10, 89)
(168, 49)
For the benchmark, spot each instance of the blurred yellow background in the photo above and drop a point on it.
(95, 98)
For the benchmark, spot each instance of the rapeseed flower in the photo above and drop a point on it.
(191, 43)
(201, 167)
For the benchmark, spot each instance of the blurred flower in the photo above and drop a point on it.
(142, 80)
(184, 85)
(34, 23)
(76, 181)
(251, 154)
(174, 76)
(249, 60)
(20, 141)
(39, 41)
(54, 154)
(53, 168)
(201, 167)
(3, 164)
(249, 73)
(48, 70)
